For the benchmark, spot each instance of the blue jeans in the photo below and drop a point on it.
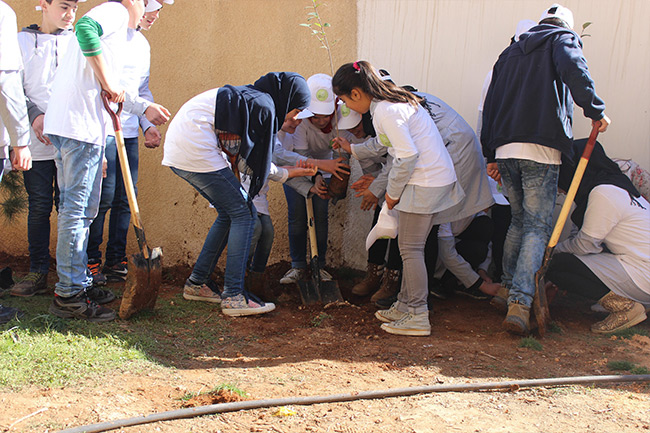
(262, 242)
(297, 213)
(233, 226)
(532, 188)
(79, 175)
(42, 192)
(114, 198)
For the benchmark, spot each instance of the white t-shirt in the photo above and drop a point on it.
(191, 141)
(41, 53)
(76, 110)
(10, 57)
(136, 70)
(406, 131)
(529, 151)
(624, 227)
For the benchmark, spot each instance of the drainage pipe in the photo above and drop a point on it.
(364, 395)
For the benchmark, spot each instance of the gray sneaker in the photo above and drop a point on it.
(390, 315)
(410, 324)
(293, 275)
(196, 292)
(34, 283)
(242, 306)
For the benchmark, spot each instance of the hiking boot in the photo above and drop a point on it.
(116, 272)
(94, 270)
(34, 283)
(371, 282)
(200, 292)
(292, 276)
(624, 313)
(80, 306)
(255, 284)
(472, 292)
(7, 314)
(500, 300)
(100, 296)
(390, 315)
(325, 276)
(241, 305)
(410, 324)
(518, 319)
(390, 285)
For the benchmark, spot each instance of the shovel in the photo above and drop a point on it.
(540, 303)
(143, 280)
(314, 290)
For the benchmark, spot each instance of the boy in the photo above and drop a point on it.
(42, 48)
(527, 118)
(76, 125)
(135, 79)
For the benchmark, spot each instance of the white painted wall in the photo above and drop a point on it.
(446, 47)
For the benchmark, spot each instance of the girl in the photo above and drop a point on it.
(253, 112)
(421, 183)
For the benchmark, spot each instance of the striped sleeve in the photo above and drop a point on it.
(88, 32)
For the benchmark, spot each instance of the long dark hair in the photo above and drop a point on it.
(363, 75)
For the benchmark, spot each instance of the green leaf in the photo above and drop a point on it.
(587, 24)
(306, 25)
(326, 25)
(316, 24)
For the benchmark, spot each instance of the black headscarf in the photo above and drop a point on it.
(256, 112)
(600, 171)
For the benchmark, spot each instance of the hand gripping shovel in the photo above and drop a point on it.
(143, 280)
(540, 303)
(314, 290)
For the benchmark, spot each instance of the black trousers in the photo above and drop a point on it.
(569, 273)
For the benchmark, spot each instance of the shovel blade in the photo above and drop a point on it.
(329, 292)
(308, 292)
(142, 283)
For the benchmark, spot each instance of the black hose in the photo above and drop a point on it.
(336, 398)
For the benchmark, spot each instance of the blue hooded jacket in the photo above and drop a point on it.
(534, 84)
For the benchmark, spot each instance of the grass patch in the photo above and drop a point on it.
(620, 365)
(640, 370)
(224, 386)
(555, 328)
(318, 320)
(631, 332)
(530, 343)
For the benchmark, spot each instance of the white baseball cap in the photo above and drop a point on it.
(152, 6)
(348, 118)
(557, 11)
(38, 8)
(322, 96)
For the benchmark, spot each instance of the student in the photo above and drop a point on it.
(14, 123)
(42, 48)
(527, 119)
(191, 150)
(135, 80)
(609, 258)
(75, 123)
(311, 140)
(422, 181)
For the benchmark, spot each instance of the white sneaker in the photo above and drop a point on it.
(410, 324)
(292, 276)
(325, 276)
(390, 315)
(240, 306)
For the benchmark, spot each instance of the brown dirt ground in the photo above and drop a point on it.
(305, 351)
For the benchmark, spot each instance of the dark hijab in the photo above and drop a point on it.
(600, 171)
(256, 112)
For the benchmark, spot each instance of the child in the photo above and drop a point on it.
(135, 80)
(42, 49)
(421, 183)
(14, 124)
(192, 152)
(75, 124)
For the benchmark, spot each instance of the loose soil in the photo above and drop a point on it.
(305, 351)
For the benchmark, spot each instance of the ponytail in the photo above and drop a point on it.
(363, 75)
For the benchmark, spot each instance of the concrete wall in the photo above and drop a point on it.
(197, 45)
(446, 47)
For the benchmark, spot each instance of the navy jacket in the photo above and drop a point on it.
(534, 84)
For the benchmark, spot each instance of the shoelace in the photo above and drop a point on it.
(32, 277)
(94, 268)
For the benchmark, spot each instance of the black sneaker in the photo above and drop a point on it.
(116, 272)
(439, 292)
(472, 292)
(80, 307)
(94, 270)
(7, 314)
(100, 296)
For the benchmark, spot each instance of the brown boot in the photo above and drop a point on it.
(390, 285)
(518, 319)
(256, 284)
(500, 300)
(371, 282)
(624, 313)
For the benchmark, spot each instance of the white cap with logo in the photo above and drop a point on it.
(348, 118)
(322, 96)
(557, 11)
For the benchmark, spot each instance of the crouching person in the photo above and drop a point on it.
(609, 258)
(192, 151)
